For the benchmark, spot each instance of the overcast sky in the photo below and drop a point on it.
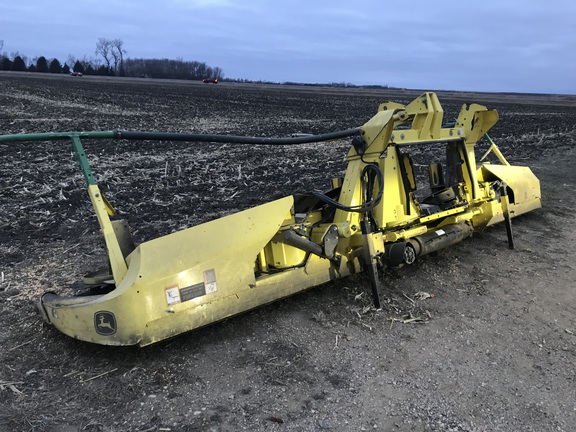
(489, 45)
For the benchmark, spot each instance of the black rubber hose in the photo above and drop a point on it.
(233, 139)
(361, 208)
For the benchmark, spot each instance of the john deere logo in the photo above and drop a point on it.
(105, 323)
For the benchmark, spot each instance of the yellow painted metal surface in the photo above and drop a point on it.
(523, 190)
(200, 272)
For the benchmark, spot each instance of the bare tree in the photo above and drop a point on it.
(217, 72)
(104, 48)
(17, 54)
(71, 59)
(1, 44)
(117, 52)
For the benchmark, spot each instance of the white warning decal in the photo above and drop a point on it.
(172, 295)
(210, 281)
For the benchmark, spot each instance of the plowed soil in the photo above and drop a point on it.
(492, 349)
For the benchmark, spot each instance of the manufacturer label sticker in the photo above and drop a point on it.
(191, 292)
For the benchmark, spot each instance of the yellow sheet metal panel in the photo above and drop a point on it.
(524, 184)
(195, 272)
(474, 121)
(372, 131)
(267, 289)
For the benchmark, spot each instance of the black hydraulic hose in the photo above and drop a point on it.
(366, 206)
(233, 139)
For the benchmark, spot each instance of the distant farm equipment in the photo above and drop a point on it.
(210, 80)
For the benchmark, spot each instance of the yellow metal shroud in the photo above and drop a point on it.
(206, 273)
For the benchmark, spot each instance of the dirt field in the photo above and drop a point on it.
(494, 349)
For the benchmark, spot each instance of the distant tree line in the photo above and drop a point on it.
(112, 63)
(172, 69)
